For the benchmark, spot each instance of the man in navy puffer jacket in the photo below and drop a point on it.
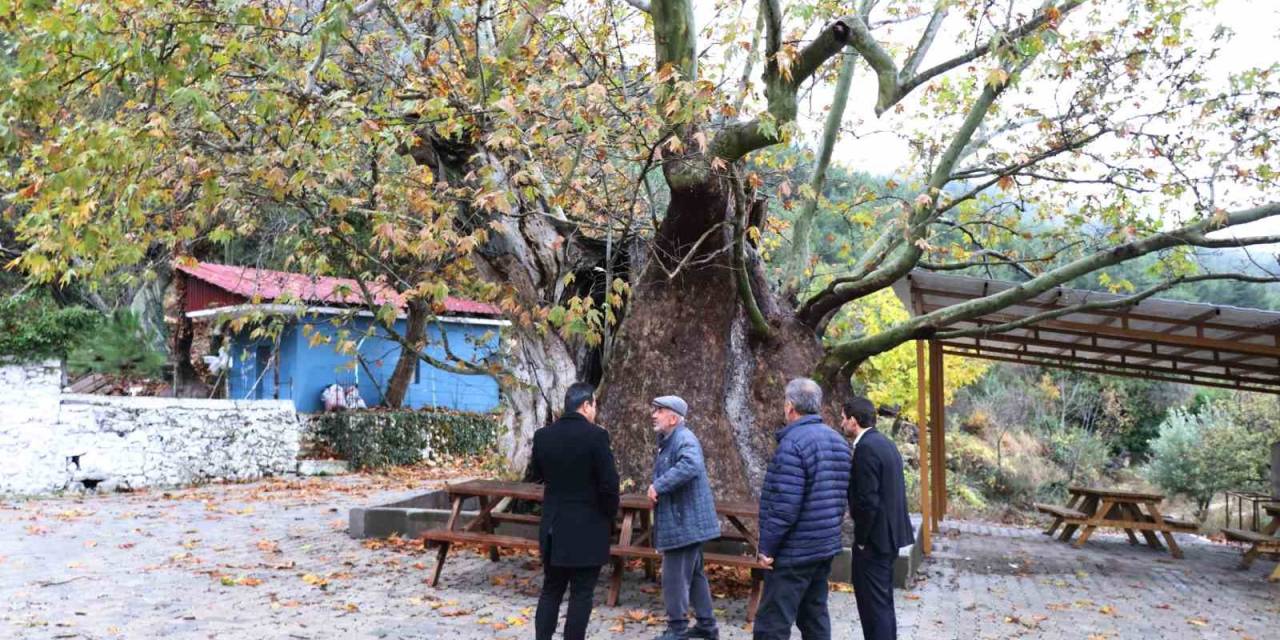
(802, 505)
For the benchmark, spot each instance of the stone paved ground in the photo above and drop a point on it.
(270, 560)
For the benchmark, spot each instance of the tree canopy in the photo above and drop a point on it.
(560, 157)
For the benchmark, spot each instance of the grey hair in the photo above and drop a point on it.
(805, 396)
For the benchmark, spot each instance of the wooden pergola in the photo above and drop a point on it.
(1154, 339)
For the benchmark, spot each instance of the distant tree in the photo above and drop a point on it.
(1201, 455)
(33, 326)
(119, 345)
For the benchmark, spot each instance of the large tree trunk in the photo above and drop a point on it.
(689, 335)
(415, 330)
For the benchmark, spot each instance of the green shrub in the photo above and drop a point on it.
(34, 327)
(1080, 453)
(1199, 455)
(380, 439)
(120, 346)
(971, 455)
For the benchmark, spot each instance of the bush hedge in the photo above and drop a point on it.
(379, 439)
(33, 327)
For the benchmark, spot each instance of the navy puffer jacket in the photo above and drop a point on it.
(803, 499)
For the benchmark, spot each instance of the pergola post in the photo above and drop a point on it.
(922, 444)
(937, 402)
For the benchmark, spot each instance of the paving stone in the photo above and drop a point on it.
(148, 566)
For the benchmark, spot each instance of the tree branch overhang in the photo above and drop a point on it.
(1136, 335)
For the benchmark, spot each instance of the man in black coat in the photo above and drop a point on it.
(878, 504)
(573, 458)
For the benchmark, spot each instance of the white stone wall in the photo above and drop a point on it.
(29, 398)
(134, 442)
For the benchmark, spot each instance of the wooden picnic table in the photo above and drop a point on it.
(1132, 511)
(635, 534)
(1260, 542)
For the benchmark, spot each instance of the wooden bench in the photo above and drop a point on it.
(1183, 524)
(443, 538)
(1133, 511)
(1059, 511)
(1259, 543)
(725, 559)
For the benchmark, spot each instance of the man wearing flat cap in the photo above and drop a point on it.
(684, 518)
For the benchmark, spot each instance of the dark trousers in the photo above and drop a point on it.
(684, 584)
(873, 589)
(581, 582)
(794, 595)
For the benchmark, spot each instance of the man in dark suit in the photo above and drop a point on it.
(878, 504)
(573, 458)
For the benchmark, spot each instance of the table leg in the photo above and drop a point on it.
(1053, 526)
(1093, 522)
(1275, 574)
(747, 534)
(1057, 520)
(443, 551)
(646, 533)
(454, 512)
(753, 601)
(1250, 555)
(1086, 507)
(1152, 539)
(1130, 511)
(440, 556)
(624, 540)
(1154, 514)
(486, 508)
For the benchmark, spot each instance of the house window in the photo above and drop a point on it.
(417, 370)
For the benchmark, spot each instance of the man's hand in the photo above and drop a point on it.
(653, 494)
(768, 562)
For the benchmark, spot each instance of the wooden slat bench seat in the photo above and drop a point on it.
(439, 536)
(725, 559)
(1259, 542)
(515, 517)
(1060, 511)
(634, 534)
(1251, 537)
(1184, 524)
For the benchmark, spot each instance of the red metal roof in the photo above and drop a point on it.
(267, 285)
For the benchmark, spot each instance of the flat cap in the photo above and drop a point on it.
(674, 403)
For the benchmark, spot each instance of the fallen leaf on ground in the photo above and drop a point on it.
(1199, 622)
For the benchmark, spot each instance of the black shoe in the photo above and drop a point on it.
(674, 634)
(704, 633)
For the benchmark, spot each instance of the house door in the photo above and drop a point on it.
(263, 358)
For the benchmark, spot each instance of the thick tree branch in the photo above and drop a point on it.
(738, 139)
(675, 37)
(926, 41)
(843, 355)
(803, 228)
(818, 309)
(895, 84)
(1100, 305)
(742, 276)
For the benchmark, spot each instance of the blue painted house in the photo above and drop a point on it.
(313, 316)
